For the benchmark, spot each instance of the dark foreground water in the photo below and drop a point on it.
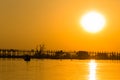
(36, 69)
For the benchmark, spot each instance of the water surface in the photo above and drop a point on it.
(37, 69)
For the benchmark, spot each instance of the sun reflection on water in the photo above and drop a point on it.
(92, 70)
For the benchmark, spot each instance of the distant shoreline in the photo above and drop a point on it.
(60, 54)
(55, 58)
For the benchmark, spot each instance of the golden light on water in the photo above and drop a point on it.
(93, 22)
(92, 70)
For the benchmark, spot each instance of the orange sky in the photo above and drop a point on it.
(56, 23)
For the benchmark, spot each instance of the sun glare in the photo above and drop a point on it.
(93, 22)
(92, 67)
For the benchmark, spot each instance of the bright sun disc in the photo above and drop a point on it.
(93, 22)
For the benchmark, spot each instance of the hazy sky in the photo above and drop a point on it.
(56, 23)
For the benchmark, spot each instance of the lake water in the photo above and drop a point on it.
(36, 69)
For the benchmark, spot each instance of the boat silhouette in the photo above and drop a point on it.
(27, 58)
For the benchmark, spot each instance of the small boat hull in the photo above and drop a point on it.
(27, 58)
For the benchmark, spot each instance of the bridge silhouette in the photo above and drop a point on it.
(59, 54)
(15, 52)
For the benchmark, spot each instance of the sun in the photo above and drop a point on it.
(93, 22)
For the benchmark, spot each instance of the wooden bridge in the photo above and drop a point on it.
(15, 52)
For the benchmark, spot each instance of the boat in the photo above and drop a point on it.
(27, 58)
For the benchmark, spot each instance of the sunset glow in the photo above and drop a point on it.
(69, 25)
(93, 22)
